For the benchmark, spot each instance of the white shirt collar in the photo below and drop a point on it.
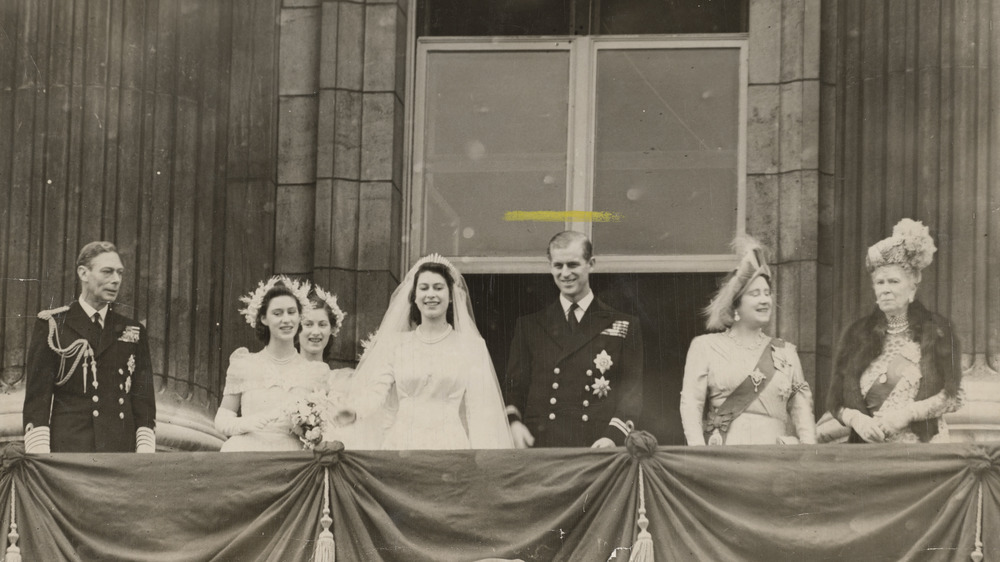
(89, 310)
(583, 303)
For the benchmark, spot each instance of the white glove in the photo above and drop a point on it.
(36, 440)
(522, 435)
(229, 424)
(865, 426)
(145, 440)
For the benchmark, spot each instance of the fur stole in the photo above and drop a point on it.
(940, 360)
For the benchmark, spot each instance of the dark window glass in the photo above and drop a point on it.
(479, 18)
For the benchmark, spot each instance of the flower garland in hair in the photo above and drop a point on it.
(255, 299)
(367, 343)
(331, 300)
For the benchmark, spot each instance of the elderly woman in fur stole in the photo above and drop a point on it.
(751, 383)
(897, 371)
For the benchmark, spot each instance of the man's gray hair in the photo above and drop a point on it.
(92, 250)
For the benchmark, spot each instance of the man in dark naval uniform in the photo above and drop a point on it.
(574, 378)
(89, 380)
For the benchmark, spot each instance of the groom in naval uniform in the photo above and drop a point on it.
(574, 378)
(89, 384)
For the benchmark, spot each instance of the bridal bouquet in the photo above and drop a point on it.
(309, 415)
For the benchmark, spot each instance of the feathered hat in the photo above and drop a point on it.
(910, 246)
(753, 264)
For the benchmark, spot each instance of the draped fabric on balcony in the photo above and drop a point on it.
(833, 502)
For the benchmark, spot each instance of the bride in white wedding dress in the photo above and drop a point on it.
(428, 382)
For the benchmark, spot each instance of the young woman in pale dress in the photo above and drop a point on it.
(262, 386)
(428, 378)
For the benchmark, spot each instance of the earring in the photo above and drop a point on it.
(736, 316)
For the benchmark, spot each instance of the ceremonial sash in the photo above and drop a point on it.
(717, 420)
(884, 384)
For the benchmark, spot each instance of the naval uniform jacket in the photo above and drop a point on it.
(552, 376)
(84, 417)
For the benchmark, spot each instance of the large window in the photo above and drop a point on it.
(643, 138)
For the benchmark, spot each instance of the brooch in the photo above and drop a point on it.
(601, 387)
(603, 361)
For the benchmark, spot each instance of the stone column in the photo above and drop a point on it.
(359, 160)
(782, 160)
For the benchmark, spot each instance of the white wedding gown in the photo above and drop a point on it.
(441, 392)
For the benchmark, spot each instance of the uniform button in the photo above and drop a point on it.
(590, 372)
(556, 370)
(96, 413)
(586, 403)
(121, 400)
(551, 416)
(552, 400)
(584, 417)
(555, 385)
(121, 415)
(96, 398)
(587, 388)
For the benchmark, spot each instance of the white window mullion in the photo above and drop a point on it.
(580, 132)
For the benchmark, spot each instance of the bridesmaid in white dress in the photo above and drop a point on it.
(262, 386)
(428, 375)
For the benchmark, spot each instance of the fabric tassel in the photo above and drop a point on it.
(13, 553)
(326, 548)
(715, 439)
(642, 550)
(977, 555)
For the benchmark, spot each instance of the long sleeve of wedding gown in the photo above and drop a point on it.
(484, 408)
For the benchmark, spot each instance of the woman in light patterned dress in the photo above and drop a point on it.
(752, 383)
(262, 386)
(897, 371)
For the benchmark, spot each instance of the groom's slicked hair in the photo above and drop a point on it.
(566, 238)
(442, 270)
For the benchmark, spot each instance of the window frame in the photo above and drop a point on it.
(583, 51)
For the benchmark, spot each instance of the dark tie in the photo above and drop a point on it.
(97, 321)
(571, 318)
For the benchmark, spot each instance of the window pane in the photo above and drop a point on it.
(619, 17)
(665, 157)
(494, 140)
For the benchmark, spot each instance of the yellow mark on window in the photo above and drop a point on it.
(561, 216)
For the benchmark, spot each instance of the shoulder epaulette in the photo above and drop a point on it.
(48, 314)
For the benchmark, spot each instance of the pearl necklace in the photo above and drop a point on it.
(751, 346)
(281, 360)
(897, 323)
(432, 339)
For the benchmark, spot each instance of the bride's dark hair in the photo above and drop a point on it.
(442, 270)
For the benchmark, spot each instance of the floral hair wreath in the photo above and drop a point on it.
(331, 300)
(255, 299)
